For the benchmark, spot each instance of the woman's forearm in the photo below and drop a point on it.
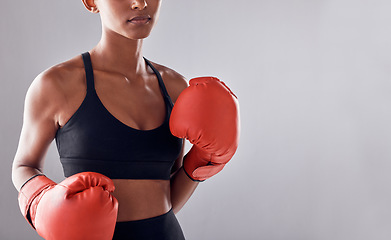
(20, 174)
(182, 187)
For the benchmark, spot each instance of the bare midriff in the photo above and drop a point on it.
(141, 199)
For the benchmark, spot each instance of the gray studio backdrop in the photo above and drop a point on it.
(313, 79)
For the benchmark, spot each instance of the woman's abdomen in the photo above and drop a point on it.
(141, 199)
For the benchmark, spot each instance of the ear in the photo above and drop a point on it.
(91, 6)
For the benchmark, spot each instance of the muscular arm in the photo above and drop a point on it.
(39, 128)
(182, 187)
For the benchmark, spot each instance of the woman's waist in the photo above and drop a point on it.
(141, 199)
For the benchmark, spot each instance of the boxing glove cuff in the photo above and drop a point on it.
(29, 191)
(198, 166)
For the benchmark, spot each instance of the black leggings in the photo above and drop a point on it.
(163, 227)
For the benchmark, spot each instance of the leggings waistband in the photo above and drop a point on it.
(162, 227)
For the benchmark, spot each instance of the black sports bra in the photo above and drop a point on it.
(94, 140)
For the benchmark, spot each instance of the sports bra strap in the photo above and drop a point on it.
(167, 97)
(89, 72)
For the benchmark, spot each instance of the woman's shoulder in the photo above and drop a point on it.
(62, 73)
(52, 87)
(174, 82)
(60, 77)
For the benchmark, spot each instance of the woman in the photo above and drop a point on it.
(108, 111)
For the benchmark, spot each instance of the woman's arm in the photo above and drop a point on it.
(182, 187)
(38, 130)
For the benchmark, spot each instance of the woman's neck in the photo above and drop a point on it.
(117, 53)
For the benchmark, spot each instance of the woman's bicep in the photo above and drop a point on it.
(38, 130)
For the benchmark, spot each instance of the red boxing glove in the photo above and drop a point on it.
(80, 207)
(207, 114)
